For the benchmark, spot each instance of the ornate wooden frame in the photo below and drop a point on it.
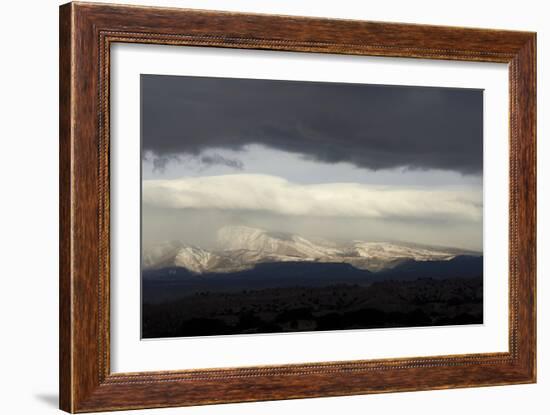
(86, 33)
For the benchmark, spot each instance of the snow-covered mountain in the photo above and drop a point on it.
(376, 256)
(272, 243)
(195, 259)
(242, 247)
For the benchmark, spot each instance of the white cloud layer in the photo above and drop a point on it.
(276, 195)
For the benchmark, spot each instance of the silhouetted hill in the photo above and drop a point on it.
(463, 266)
(175, 282)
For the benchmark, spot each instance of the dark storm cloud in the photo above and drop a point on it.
(371, 126)
(216, 159)
(160, 162)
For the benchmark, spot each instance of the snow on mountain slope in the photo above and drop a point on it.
(194, 259)
(388, 251)
(242, 247)
(376, 256)
(272, 243)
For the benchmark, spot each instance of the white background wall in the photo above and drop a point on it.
(29, 192)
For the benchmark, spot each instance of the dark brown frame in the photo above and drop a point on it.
(86, 33)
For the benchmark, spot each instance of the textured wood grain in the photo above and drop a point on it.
(65, 246)
(86, 33)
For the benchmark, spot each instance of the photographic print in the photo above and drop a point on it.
(258, 207)
(275, 206)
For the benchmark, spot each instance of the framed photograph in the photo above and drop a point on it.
(259, 207)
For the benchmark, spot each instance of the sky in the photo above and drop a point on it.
(331, 160)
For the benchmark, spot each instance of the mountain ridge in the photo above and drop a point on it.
(242, 248)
